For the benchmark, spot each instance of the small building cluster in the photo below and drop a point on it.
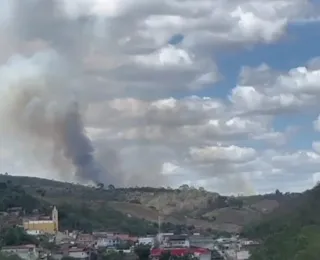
(235, 247)
(82, 246)
(200, 247)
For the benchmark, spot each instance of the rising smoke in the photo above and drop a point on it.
(44, 86)
(40, 105)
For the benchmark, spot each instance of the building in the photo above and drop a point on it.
(146, 241)
(34, 232)
(176, 241)
(50, 226)
(26, 252)
(85, 239)
(107, 241)
(201, 241)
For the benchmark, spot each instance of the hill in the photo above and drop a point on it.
(292, 231)
(71, 216)
(186, 206)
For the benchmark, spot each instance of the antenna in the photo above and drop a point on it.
(159, 219)
(159, 224)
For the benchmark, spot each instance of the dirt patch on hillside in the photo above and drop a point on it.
(140, 211)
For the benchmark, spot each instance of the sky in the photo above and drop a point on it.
(211, 93)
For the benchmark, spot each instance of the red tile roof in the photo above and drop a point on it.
(179, 251)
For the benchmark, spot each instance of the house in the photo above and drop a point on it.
(85, 239)
(243, 255)
(176, 241)
(27, 252)
(16, 211)
(146, 240)
(200, 253)
(107, 241)
(201, 241)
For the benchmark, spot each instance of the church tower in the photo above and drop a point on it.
(55, 218)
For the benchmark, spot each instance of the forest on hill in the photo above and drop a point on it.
(72, 216)
(292, 232)
(136, 209)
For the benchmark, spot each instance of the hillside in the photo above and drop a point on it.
(71, 216)
(292, 231)
(185, 206)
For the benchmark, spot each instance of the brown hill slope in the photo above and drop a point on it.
(187, 205)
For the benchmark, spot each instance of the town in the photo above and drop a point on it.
(75, 244)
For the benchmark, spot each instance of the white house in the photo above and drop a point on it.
(176, 241)
(146, 240)
(107, 241)
(34, 232)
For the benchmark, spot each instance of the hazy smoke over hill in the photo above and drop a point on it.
(39, 107)
(38, 87)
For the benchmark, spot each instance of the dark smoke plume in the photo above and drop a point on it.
(41, 109)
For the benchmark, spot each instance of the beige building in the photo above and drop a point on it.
(44, 226)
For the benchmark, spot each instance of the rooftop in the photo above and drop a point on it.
(179, 251)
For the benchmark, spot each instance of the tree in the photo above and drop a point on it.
(9, 257)
(16, 236)
(165, 256)
(202, 189)
(100, 185)
(41, 192)
(278, 193)
(111, 187)
(184, 187)
(235, 202)
(142, 251)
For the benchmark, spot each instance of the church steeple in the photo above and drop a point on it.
(55, 218)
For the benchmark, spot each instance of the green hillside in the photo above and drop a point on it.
(136, 209)
(81, 216)
(292, 232)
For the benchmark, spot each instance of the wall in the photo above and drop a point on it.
(243, 255)
(34, 232)
(178, 243)
(79, 255)
(47, 226)
(204, 257)
(146, 240)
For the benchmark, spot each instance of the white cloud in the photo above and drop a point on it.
(141, 96)
(316, 124)
(274, 93)
(217, 153)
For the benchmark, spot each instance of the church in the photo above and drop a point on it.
(50, 226)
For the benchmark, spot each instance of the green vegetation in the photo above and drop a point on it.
(16, 236)
(292, 232)
(102, 209)
(9, 257)
(142, 251)
(82, 217)
(12, 195)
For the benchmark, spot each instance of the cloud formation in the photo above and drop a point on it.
(121, 92)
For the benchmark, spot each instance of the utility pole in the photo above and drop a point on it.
(159, 224)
